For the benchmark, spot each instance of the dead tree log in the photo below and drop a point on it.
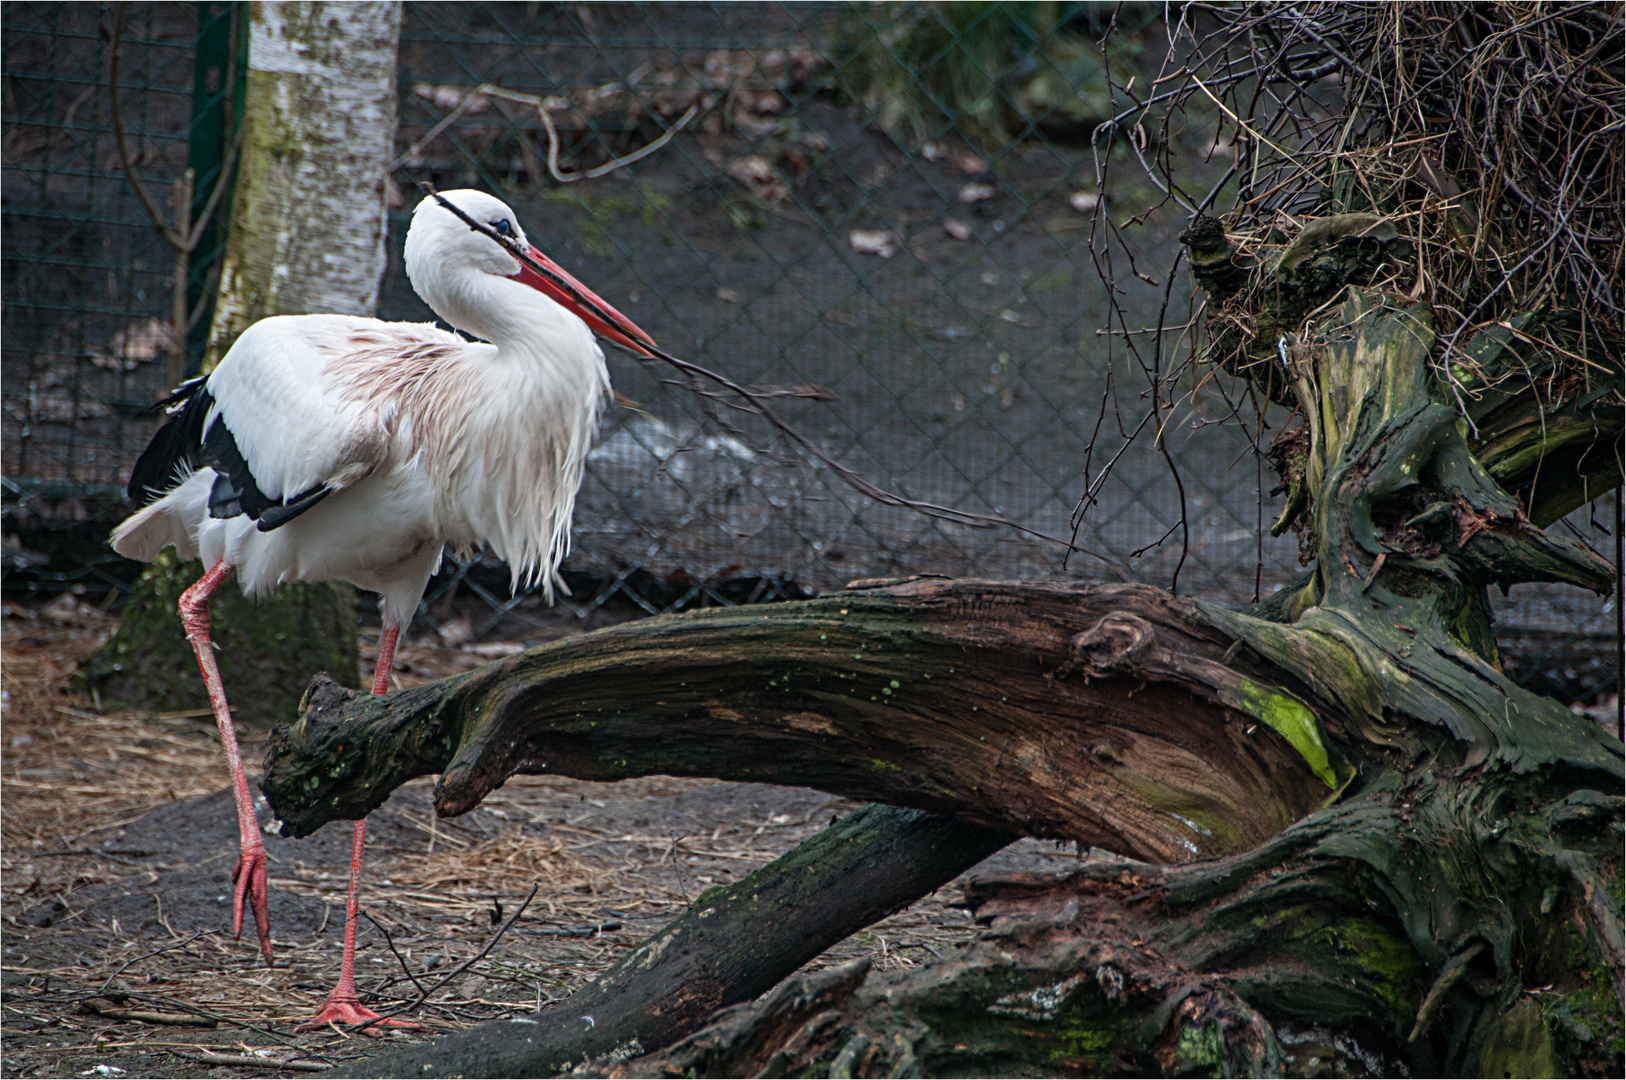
(1455, 912)
(734, 943)
(1113, 715)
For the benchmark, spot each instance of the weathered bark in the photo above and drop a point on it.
(307, 235)
(736, 942)
(1457, 912)
(1338, 949)
(1097, 713)
(1551, 452)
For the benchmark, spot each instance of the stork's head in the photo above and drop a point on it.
(446, 259)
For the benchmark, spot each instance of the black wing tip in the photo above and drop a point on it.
(237, 493)
(278, 516)
(176, 446)
(182, 444)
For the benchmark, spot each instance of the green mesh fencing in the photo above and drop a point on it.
(889, 214)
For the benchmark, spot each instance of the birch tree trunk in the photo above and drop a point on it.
(308, 216)
(307, 236)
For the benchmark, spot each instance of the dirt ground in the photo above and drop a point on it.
(118, 842)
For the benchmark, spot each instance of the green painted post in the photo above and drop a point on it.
(219, 75)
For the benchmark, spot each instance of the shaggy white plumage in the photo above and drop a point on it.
(426, 439)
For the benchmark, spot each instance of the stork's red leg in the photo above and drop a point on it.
(249, 874)
(386, 657)
(343, 1005)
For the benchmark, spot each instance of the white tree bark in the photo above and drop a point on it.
(308, 213)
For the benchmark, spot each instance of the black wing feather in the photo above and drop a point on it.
(280, 515)
(176, 445)
(183, 444)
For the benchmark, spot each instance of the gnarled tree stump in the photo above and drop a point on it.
(1367, 834)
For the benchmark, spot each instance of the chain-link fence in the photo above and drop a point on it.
(886, 212)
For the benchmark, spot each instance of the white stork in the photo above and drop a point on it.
(330, 447)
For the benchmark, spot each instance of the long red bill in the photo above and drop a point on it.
(575, 297)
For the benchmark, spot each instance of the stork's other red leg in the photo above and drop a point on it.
(249, 874)
(386, 657)
(343, 1005)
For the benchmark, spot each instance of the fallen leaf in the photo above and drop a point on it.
(1084, 201)
(956, 228)
(757, 175)
(934, 150)
(880, 242)
(1435, 176)
(769, 101)
(749, 124)
(455, 632)
(970, 164)
(751, 170)
(69, 610)
(728, 296)
(976, 192)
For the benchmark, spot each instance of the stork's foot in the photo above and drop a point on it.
(344, 1008)
(249, 878)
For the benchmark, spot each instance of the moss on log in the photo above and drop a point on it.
(1455, 911)
(1374, 938)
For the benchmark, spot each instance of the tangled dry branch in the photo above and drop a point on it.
(1484, 146)
(1490, 134)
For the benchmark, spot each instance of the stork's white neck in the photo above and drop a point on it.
(520, 321)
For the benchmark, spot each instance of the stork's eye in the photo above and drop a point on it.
(502, 227)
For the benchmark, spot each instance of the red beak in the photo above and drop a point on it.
(578, 299)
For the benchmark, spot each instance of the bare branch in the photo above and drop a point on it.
(760, 407)
(485, 90)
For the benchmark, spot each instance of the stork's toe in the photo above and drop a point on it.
(249, 877)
